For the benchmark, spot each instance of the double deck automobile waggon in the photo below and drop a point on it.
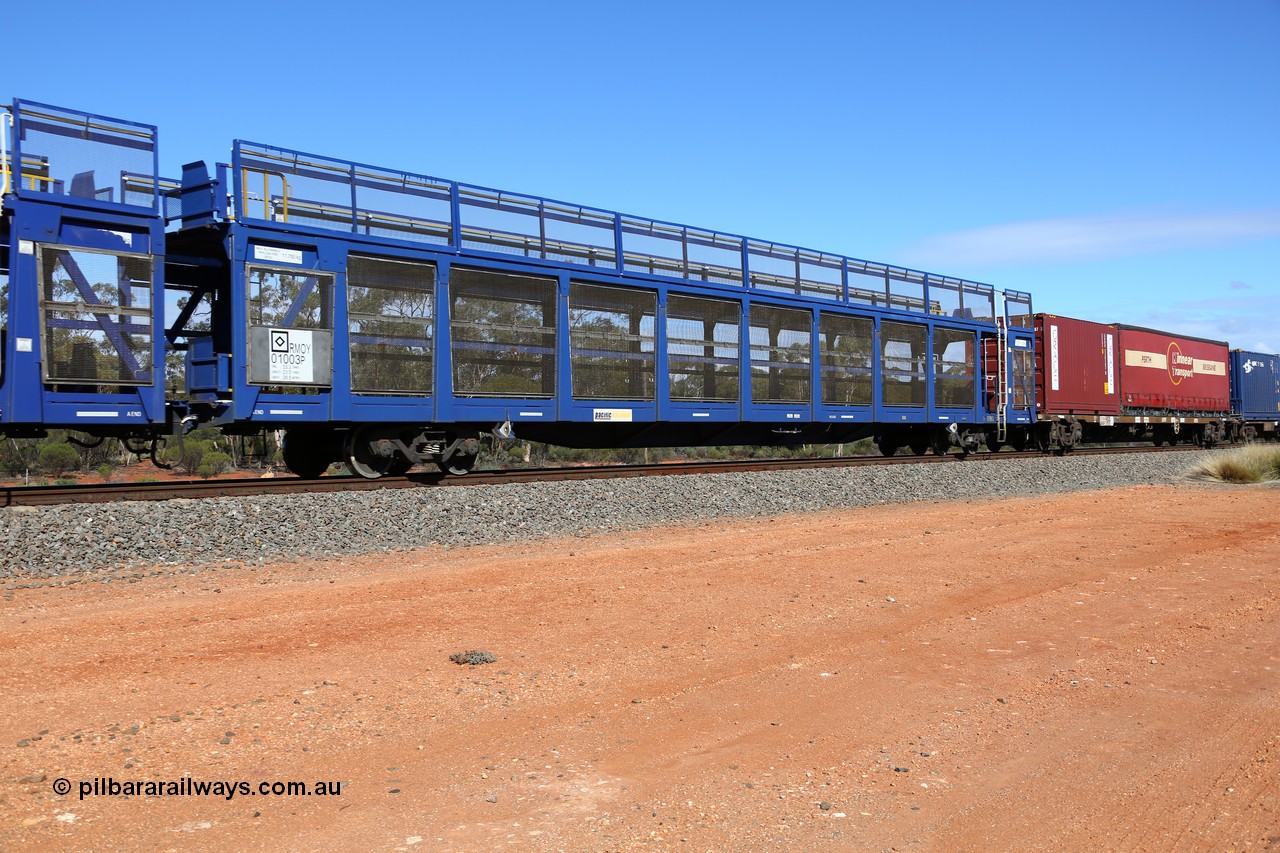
(383, 318)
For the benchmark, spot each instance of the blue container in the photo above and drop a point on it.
(1255, 385)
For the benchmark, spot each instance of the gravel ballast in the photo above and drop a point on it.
(130, 540)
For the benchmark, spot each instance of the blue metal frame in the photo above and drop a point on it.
(63, 208)
(1020, 329)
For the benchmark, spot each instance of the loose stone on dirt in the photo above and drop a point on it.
(49, 546)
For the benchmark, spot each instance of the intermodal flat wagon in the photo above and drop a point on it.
(1255, 393)
(1114, 383)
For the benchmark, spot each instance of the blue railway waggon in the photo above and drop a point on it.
(82, 243)
(385, 319)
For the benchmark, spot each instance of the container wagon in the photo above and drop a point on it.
(1116, 383)
(1255, 395)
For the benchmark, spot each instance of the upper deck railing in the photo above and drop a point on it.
(80, 158)
(291, 189)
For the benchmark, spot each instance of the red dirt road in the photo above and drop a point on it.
(1094, 671)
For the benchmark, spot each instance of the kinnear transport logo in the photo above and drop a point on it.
(1180, 366)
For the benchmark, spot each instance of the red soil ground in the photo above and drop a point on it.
(1093, 671)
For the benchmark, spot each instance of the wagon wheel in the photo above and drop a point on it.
(363, 462)
(458, 464)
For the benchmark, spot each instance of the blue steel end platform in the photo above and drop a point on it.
(82, 342)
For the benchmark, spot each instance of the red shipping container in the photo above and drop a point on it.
(1160, 372)
(1075, 367)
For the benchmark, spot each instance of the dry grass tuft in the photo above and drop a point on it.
(1253, 464)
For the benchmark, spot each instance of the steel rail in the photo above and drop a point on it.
(31, 496)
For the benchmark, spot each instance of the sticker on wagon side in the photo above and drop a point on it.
(611, 415)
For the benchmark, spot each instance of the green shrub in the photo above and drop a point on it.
(213, 463)
(56, 459)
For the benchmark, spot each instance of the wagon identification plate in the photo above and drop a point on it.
(290, 356)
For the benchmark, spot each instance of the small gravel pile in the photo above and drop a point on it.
(42, 546)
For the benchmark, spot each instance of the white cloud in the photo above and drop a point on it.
(1245, 322)
(1089, 238)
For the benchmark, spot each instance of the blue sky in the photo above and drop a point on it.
(1118, 160)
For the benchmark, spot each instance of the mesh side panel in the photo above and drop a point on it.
(75, 276)
(402, 206)
(653, 247)
(848, 357)
(902, 365)
(390, 311)
(612, 342)
(4, 297)
(868, 287)
(658, 248)
(534, 228)
(790, 270)
(281, 186)
(301, 189)
(91, 348)
(703, 355)
(579, 236)
(1019, 310)
(503, 334)
(953, 368)
(171, 205)
(289, 298)
(980, 302)
(137, 190)
(97, 316)
(945, 297)
(75, 154)
(780, 352)
(1023, 385)
(714, 257)
(907, 293)
(495, 222)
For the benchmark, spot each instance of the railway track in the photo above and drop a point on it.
(11, 496)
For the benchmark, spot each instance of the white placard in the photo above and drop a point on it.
(277, 255)
(1111, 365)
(292, 356)
(1053, 356)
